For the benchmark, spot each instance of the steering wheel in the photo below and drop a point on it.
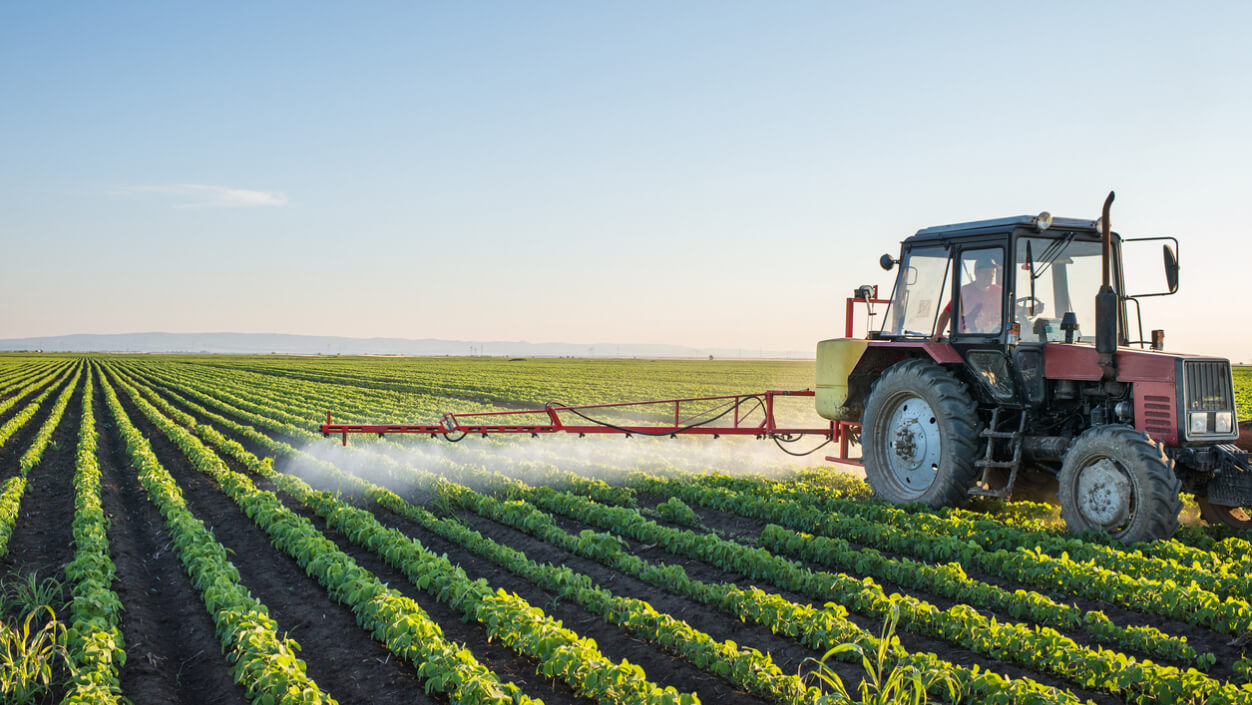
(1023, 306)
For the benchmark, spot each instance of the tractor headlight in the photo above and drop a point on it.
(1199, 422)
(1043, 221)
(1224, 421)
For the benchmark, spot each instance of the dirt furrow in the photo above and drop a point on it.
(17, 444)
(42, 539)
(913, 642)
(789, 655)
(172, 651)
(342, 658)
(745, 529)
(615, 643)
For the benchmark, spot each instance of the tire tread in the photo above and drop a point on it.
(954, 404)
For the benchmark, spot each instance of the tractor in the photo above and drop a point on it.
(995, 365)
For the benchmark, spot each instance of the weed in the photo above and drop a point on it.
(22, 595)
(886, 681)
(28, 656)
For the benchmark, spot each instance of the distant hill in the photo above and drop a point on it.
(264, 343)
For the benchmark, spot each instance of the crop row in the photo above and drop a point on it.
(561, 652)
(1184, 564)
(1040, 648)
(20, 387)
(95, 642)
(947, 580)
(265, 664)
(1029, 566)
(12, 489)
(392, 618)
(15, 377)
(23, 416)
(748, 669)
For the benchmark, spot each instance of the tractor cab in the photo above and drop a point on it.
(997, 291)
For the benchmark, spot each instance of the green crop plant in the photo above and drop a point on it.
(676, 511)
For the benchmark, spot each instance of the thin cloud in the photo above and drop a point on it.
(205, 196)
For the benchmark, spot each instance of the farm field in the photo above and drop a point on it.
(195, 539)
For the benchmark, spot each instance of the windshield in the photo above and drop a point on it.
(1067, 277)
(921, 292)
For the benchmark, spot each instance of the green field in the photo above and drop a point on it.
(1243, 392)
(198, 540)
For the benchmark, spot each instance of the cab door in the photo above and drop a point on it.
(980, 317)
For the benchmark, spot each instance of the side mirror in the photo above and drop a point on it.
(887, 262)
(1171, 268)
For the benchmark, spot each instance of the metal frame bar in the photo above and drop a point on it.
(844, 430)
(455, 423)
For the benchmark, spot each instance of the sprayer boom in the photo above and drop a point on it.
(735, 415)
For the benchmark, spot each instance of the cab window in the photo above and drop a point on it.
(981, 302)
(1067, 273)
(921, 292)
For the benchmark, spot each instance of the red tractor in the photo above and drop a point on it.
(995, 361)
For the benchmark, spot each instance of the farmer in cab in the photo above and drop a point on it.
(980, 299)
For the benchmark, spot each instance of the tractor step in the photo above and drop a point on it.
(988, 463)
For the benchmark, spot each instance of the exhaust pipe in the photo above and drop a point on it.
(1106, 301)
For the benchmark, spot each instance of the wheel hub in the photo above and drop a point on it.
(914, 446)
(1104, 494)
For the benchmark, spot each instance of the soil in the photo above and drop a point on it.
(17, 444)
(172, 651)
(40, 544)
(790, 656)
(614, 643)
(746, 530)
(911, 641)
(42, 537)
(507, 664)
(342, 658)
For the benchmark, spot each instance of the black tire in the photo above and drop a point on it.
(927, 459)
(1117, 480)
(1237, 518)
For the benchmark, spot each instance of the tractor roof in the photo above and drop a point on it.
(986, 227)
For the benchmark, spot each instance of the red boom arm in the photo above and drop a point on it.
(737, 407)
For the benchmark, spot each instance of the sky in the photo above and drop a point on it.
(711, 174)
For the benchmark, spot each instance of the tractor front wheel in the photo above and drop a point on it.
(1117, 480)
(1219, 515)
(919, 436)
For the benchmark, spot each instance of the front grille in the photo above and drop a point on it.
(1207, 388)
(1209, 385)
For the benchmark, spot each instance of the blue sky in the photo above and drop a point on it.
(703, 173)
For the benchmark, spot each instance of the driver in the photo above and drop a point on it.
(980, 300)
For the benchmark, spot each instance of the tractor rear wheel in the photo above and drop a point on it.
(1117, 480)
(919, 436)
(1218, 515)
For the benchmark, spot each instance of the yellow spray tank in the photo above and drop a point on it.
(835, 360)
